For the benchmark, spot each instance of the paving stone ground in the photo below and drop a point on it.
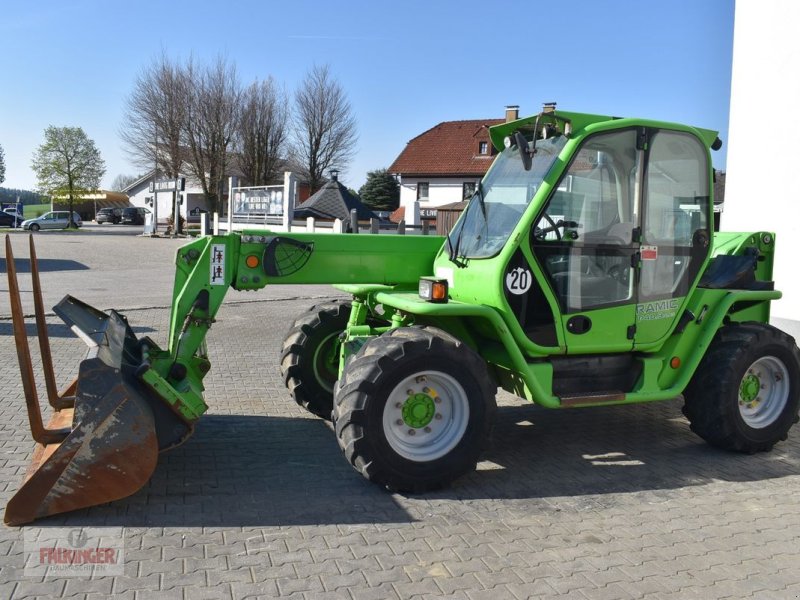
(601, 503)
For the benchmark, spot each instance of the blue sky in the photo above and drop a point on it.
(406, 66)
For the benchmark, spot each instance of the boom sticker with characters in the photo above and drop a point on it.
(217, 276)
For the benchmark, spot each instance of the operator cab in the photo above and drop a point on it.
(619, 228)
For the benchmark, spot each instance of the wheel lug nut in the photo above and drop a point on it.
(437, 400)
(398, 422)
(427, 430)
(420, 379)
(398, 405)
(412, 432)
(409, 392)
(438, 417)
(426, 390)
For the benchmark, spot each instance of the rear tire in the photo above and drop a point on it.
(310, 356)
(744, 396)
(413, 409)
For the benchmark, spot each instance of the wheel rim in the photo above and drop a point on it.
(763, 392)
(425, 416)
(326, 362)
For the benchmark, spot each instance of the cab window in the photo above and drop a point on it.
(583, 237)
(676, 213)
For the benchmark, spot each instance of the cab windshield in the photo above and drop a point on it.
(500, 200)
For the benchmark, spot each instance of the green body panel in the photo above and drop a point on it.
(346, 258)
(382, 273)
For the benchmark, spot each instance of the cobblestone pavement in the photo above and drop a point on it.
(599, 503)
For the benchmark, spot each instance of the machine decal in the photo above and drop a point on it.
(519, 280)
(659, 309)
(217, 274)
(649, 252)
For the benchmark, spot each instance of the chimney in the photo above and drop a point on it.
(512, 112)
(334, 174)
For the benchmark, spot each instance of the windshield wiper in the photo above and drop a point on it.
(455, 249)
(479, 194)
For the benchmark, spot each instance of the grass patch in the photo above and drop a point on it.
(31, 211)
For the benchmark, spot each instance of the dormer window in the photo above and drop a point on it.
(483, 148)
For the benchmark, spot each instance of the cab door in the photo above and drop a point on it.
(676, 230)
(586, 240)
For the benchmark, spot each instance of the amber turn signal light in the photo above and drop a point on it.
(433, 290)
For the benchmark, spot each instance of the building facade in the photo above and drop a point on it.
(444, 164)
(160, 202)
(766, 60)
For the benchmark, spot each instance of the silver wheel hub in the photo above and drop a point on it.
(425, 416)
(763, 392)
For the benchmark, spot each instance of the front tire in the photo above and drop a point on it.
(310, 356)
(34, 227)
(413, 409)
(745, 393)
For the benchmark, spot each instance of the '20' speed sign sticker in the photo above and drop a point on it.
(519, 280)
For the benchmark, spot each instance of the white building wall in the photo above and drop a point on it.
(763, 151)
(192, 198)
(441, 190)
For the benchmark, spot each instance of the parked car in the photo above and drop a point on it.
(8, 219)
(134, 215)
(108, 215)
(56, 219)
(14, 212)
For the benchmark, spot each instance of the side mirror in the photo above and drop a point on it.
(524, 153)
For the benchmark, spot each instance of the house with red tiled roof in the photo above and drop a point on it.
(444, 164)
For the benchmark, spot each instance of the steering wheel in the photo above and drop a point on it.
(619, 273)
(540, 233)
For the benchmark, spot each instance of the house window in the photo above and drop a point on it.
(483, 147)
(469, 189)
(422, 190)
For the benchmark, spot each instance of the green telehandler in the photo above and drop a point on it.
(585, 271)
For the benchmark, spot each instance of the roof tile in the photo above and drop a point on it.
(449, 148)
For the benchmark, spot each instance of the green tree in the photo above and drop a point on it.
(381, 191)
(68, 164)
(2, 165)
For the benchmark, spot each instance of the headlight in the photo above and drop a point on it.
(433, 290)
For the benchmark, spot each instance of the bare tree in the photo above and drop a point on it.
(155, 117)
(325, 134)
(122, 181)
(211, 124)
(2, 165)
(262, 131)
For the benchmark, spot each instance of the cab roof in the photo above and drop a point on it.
(580, 121)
